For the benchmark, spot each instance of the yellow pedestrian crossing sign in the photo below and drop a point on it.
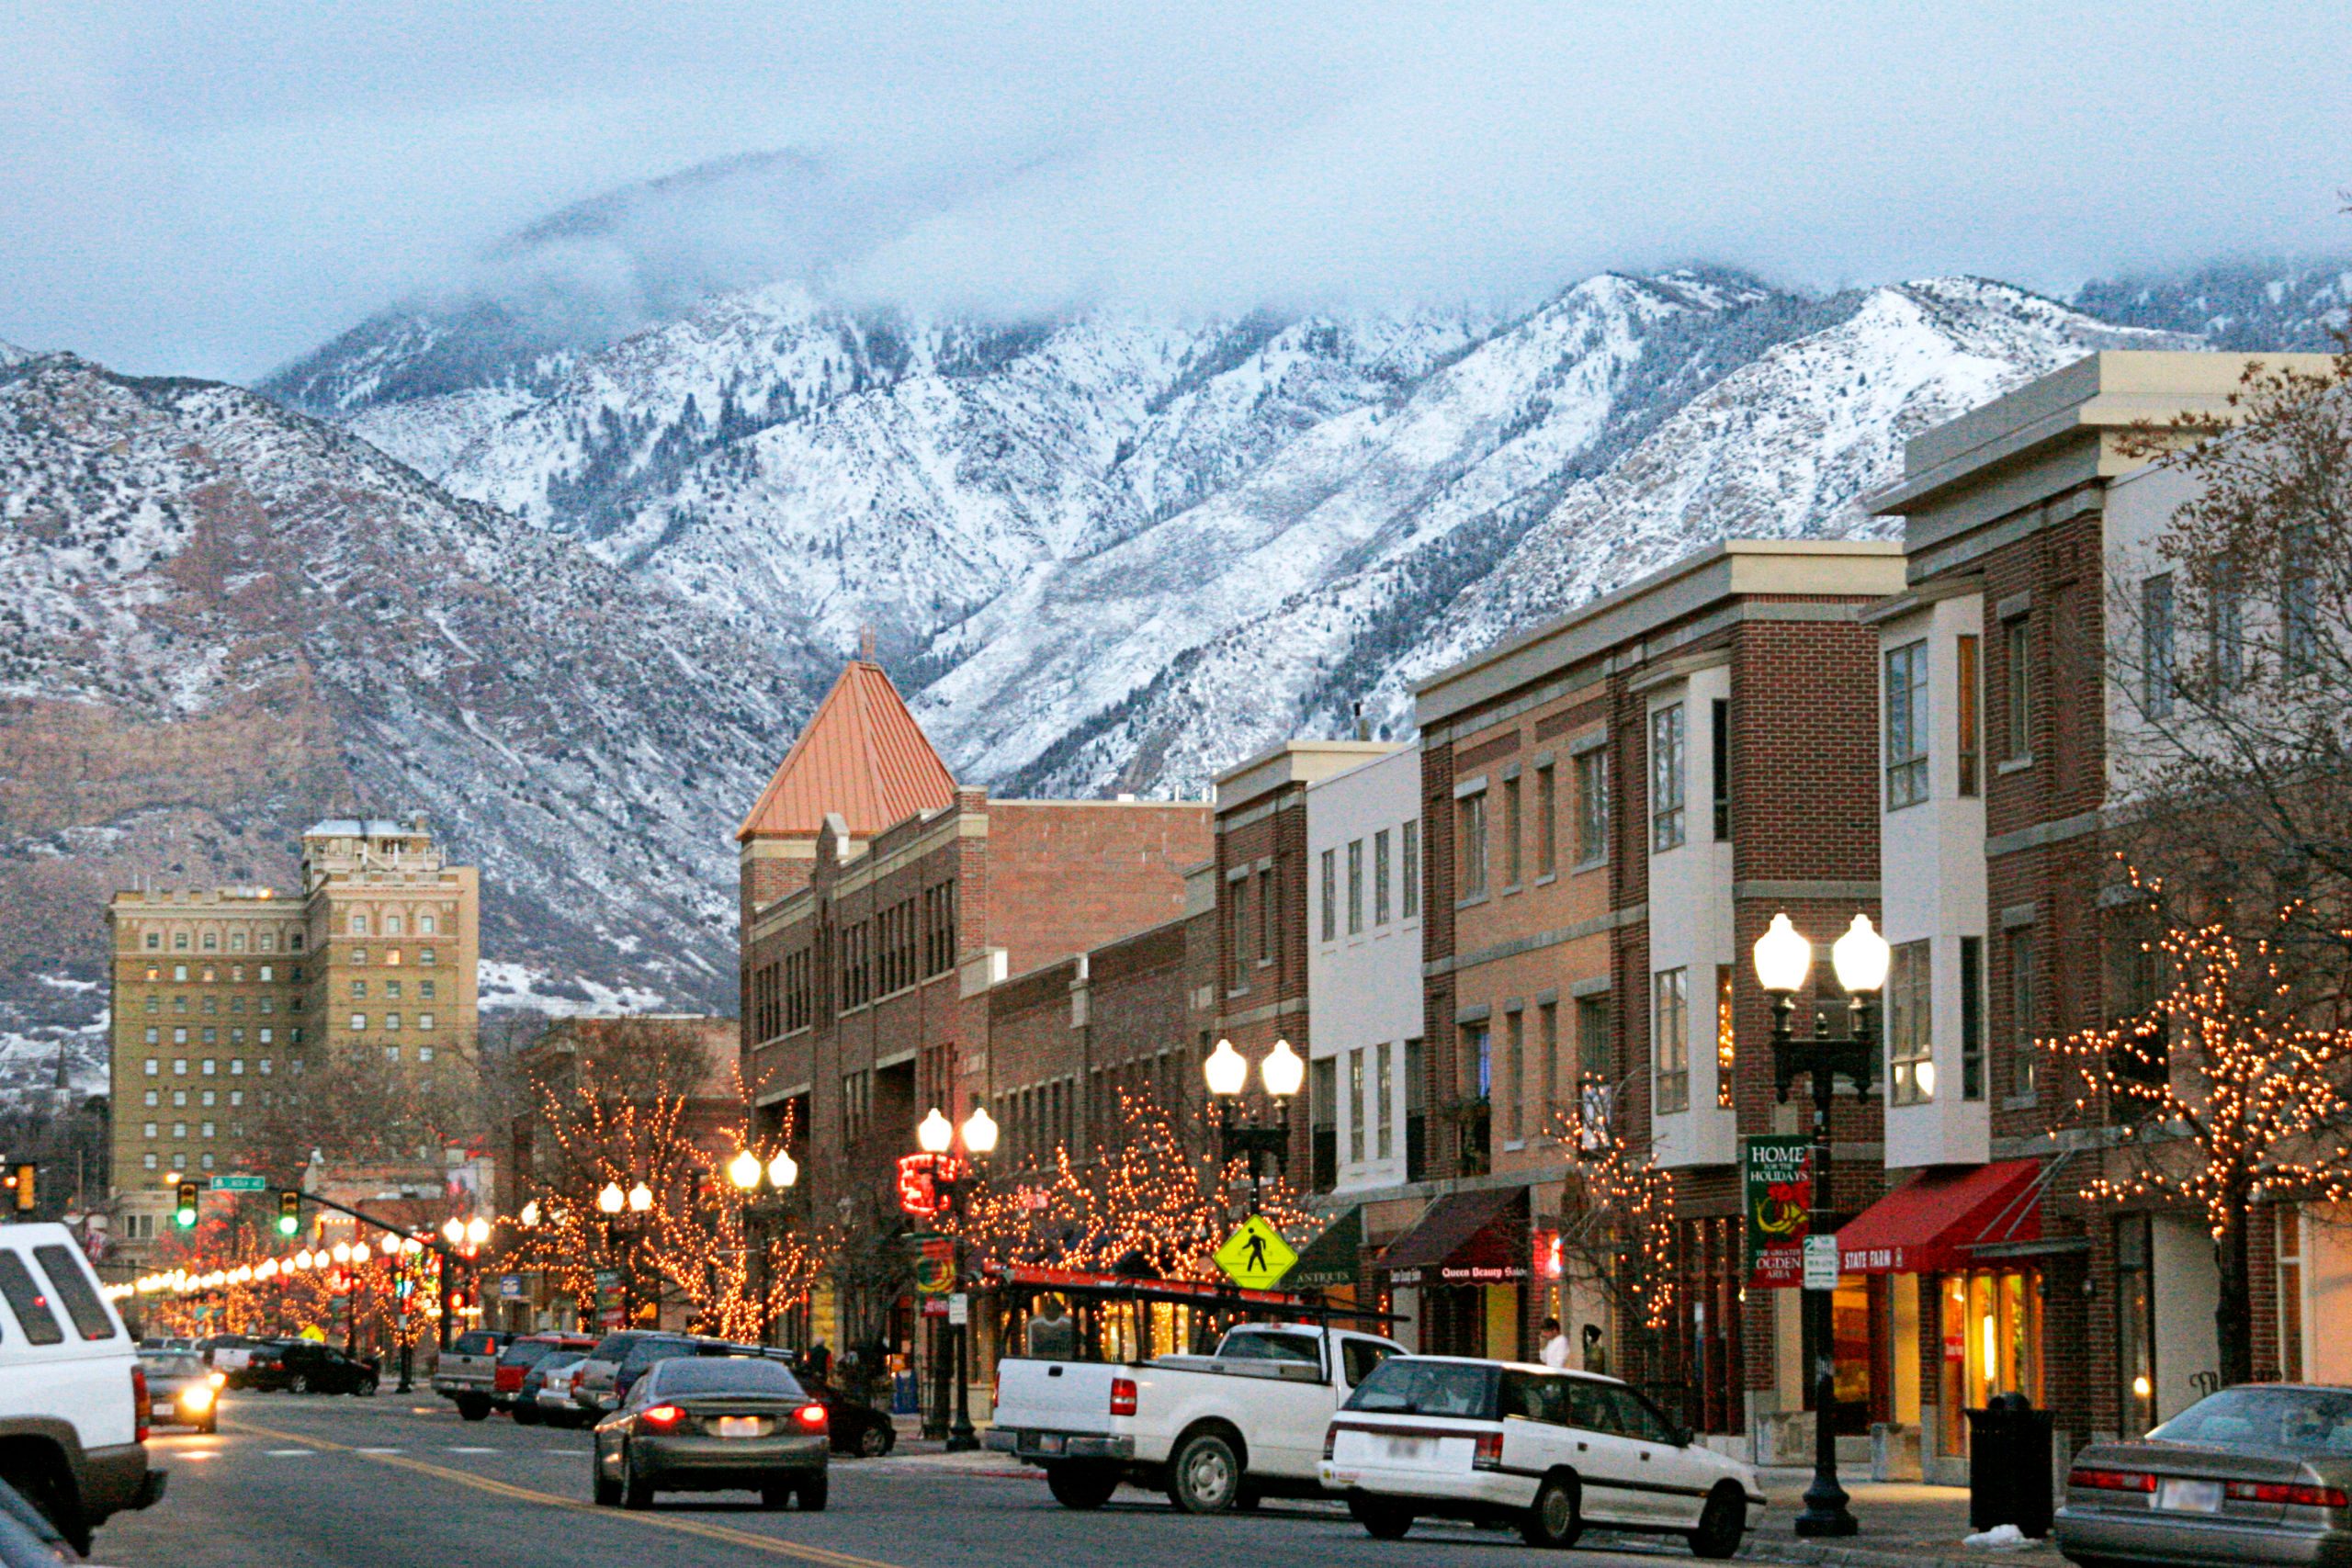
(1256, 1256)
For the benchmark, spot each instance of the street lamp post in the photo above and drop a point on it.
(1784, 962)
(935, 1136)
(1227, 1072)
(745, 1171)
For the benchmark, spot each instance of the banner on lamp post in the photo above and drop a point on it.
(1776, 1184)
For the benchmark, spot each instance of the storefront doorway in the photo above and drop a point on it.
(1992, 1344)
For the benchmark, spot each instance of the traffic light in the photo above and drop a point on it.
(21, 1182)
(184, 1215)
(289, 1212)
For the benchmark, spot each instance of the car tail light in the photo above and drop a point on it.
(1489, 1452)
(811, 1415)
(1330, 1438)
(2297, 1494)
(2112, 1480)
(661, 1417)
(138, 1401)
(1122, 1397)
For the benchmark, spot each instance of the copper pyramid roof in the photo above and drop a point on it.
(862, 756)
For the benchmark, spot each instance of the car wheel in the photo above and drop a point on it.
(874, 1442)
(1553, 1519)
(1721, 1522)
(474, 1408)
(637, 1489)
(774, 1495)
(297, 1383)
(812, 1490)
(1083, 1486)
(1382, 1519)
(603, 1487)
(366, 1390)
(1204, 1476)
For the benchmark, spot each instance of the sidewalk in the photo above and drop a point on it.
(1903, 1525)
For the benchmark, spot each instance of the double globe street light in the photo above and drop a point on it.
(936, 1136)
(1784, 966)
(1227, 1072)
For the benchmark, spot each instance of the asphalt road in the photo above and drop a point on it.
(399, 1481)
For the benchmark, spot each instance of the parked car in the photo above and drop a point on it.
(468, 1368)
(1547, 1451)
(2259, 1473)
(713, 1423)
(181, 1390)
(545, 1394)
(618, 1359)
(857, 1430)
(1210, 1430)
(313, 1368)
(73, 1401)
(229, 1354)
(264, 1366)
(520, 1356)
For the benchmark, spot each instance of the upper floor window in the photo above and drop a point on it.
(1238, 930)
(2016, 654)
(2157, 645)
(1911, 1069)
(154, 940)
(1267, 916)
(1380, 877)
(1968, 705)
(1408, 852)
(1592, 806)
(1547, 822)
(1719, 759)
(1906, 725)
(425, 925)
(359, 925)
(1330, 895)
(1670, 1038)
(179, 942)
(1470, 814)
(1512, 836)
(1668, 741)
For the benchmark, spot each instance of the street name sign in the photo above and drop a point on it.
(240, 1183)
(1255, 1256)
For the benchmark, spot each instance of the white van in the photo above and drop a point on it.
(1549, 1451)
(73, 1398)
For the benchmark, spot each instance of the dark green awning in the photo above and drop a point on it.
(1335, 1258)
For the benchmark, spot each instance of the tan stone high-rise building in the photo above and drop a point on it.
(219, 995)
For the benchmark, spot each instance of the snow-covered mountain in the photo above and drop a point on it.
(646, 494)
(221, 620)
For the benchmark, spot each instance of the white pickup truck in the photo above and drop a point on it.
(1213, 1431)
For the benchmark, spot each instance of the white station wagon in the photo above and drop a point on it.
(1550, 1451)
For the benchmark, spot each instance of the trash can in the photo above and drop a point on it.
(2009, 1466)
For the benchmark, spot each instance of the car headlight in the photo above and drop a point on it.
(218, 1380)
(197, 1396)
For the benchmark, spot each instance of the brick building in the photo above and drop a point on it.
(2000, 684)
(1619, 802)
(871, 948)
(220, 996)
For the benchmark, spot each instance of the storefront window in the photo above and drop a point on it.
(1992, 1334)
(2135, 1326)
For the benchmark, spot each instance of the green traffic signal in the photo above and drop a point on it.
(290, 1212)
(184, 1217)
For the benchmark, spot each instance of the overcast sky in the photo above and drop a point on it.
(212, 188)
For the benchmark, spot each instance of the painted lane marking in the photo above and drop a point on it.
(469, 1450)
(290, 1454)
(676, 1524)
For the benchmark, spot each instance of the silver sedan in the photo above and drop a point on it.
(2260, 1473)
(714, 1423)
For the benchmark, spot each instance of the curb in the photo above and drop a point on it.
(1810, 1556)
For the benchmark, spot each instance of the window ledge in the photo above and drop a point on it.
(1510, 887)
(1891, 806)
(2012, 765)
(1584, 865)
(1548, 878)
(1475, 899)
(2019, 1101)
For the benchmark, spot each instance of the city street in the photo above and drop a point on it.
(400, 1481)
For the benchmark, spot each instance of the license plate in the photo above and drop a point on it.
(1050, 1443)
(741, 1426)
(1411, 1449)
(2191, 1496)
(163, 1410)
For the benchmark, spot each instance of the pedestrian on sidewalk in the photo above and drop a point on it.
(1556, 1345)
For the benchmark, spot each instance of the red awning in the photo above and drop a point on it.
(1930, 1224)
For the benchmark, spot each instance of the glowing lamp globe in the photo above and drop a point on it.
(1861, 957)
(980, 1130)
(640, 1198)
(611, 1199)
(478, 1230)
(390, 1247)
(743, 1170)
(783, 1171)
(453, 1230)
(1783, 957)
(1226, 1071)
(1283, 1070)
(936, 1135)
(530, 1216)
